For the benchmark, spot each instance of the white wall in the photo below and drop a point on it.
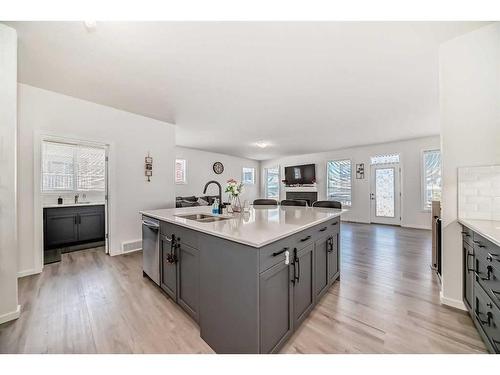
(410, 152)
(470, 131)
(130, 138)
(9, 308)
(199, 172)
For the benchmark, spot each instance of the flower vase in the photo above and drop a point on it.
(236, 204)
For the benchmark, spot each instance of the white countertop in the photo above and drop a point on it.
(489, 229)
(73, 204)
(260, 226)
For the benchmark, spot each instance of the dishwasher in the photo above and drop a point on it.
(151, 249)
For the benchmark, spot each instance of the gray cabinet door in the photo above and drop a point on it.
(275, 295)
(91, 225)
(168, 276)
(333, 259)
(303, 289)
(189, 279)
(321, 266)
(468, 257)
(60, 228)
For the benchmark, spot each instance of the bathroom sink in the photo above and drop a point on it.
(203, 218)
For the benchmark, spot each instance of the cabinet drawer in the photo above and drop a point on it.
(482, 245)
(467, 235)
(273, 253)
(487, 270)
(187, 236)
(487, 316)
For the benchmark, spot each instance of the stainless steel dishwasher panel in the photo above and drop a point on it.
(151, 248)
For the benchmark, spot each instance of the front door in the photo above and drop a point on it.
(385, 194)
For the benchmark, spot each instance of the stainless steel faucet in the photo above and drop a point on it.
(76, 198)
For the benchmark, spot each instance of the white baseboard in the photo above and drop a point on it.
(24, 273)
(416, 226)
(458, 304)
(11, 315)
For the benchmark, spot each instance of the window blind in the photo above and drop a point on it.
(339, 181)
(70, 167)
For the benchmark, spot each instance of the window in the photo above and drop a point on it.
(70, 167)
(385, 159)
(272, 176)
(180, 171)
(339, 181)
(248, 176)
(431, 178)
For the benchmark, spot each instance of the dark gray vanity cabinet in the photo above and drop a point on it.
(481, 273)
(91, 223)
(66, 226)
(60, 227)
(275, 295)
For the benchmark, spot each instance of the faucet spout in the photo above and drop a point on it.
(220, 193)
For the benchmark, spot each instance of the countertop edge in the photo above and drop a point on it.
(229, 238)
(479, 230)
(55, 205)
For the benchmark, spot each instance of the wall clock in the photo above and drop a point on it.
(218, 167)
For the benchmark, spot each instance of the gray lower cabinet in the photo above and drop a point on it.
(180, 271)
(468, 258)
(275, 298)
(168, 270)
(333, 258)
(189, 278)
(303, 284)
(481, 270)
(247, 299)
(321, 256)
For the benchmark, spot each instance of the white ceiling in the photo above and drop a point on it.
(304, 87)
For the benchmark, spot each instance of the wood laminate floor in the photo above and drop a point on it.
(387, 301)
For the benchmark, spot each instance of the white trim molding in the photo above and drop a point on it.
(11, 315)
(29, 272)
(458, 304)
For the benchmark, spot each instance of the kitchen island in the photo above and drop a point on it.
(249, 279)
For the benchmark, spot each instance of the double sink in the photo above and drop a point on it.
(203, 218)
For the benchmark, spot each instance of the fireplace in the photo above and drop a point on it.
(309, 196)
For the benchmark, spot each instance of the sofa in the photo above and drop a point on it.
(193, 201)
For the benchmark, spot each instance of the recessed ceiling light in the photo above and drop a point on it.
(262, 144)
(90, 25)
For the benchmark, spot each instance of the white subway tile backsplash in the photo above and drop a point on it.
(479, 193)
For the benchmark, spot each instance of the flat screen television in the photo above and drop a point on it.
(300, 174)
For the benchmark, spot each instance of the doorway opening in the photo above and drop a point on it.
(73, 196)
(385, 190)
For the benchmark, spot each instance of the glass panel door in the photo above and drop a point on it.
(385, 194)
